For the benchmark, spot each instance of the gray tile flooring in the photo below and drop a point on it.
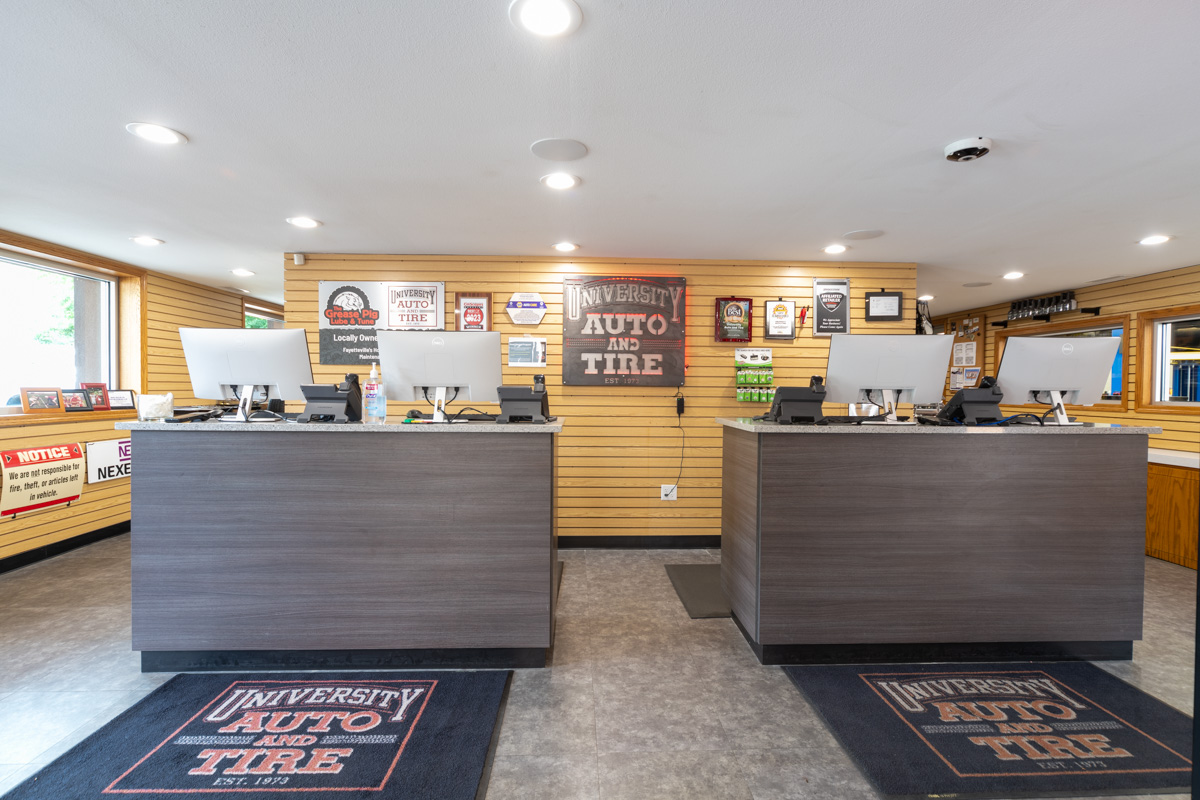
(639, 702)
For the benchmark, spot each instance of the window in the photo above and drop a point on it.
(1116, 326)
(262, 317)
(57, 325)
(1177, 361)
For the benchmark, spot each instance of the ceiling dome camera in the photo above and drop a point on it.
(968, 149)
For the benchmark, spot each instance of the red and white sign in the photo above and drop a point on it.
(40, 477)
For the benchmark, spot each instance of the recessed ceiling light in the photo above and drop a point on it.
(145, 241)
(863, 234)
(156, 133)
(241, 273)
(565, 247)
(558, 149)
(235, 289)
(545, 17)
(835, 249)
(976, 284)
(1154, 240)
(1012, 276)
(925, 298)
(560, 180)
(304, 222)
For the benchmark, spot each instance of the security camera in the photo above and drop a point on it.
(968, 149)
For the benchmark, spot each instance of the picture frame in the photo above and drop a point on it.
(883, 306)
(473, 311)
(734, 319)
(41, 400)
(76, 400)
(98, 392)
(779, 319)
(122, 400)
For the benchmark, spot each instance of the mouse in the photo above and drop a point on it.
(413, 414)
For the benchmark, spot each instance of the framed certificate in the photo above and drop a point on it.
(779, 319)
(885, 306)
(473, 312)
(735, 315)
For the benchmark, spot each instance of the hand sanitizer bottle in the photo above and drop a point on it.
(374, 400)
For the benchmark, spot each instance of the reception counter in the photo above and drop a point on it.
(343, 546)
(915, 543)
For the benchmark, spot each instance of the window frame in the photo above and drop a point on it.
(113, 311)
(1148, 324)
(1123, 321)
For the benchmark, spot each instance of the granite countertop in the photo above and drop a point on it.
(761, 426)
(354, 427)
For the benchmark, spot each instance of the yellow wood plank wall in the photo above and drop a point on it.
(1132, 296)
(620, 443)
(98, 507)
(170, 305)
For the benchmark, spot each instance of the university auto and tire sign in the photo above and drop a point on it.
(623, 331)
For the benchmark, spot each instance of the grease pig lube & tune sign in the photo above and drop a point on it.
(621, 331)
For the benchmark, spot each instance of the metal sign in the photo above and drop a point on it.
(107, 461)
(831, 306)
(620, 331)
(526, 308)
(38, 478)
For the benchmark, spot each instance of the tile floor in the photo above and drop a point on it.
(639, 701)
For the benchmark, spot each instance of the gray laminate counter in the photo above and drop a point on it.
(343, 546)
(352, 428)
(865, 543)
(763, 426)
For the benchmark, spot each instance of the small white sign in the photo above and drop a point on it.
(107, 461)
(526, 308)
(526, 351)
(751, 356)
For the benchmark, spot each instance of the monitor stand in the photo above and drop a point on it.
(439, 404)
(890, 397)
(1060, 411)
(245, 403)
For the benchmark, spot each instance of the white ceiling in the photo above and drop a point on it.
(749, 129)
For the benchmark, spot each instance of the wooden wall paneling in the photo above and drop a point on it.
(99, 505)
(1130, 297)
(171, 304)
(1172, 513)
(620, 443)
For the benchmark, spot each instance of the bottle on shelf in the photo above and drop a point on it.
(374, 399)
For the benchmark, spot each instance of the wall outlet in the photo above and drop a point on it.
(670, 491)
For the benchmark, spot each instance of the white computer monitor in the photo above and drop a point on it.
(886, 369)
(421, 365)
(235, 364)
(1056, 370)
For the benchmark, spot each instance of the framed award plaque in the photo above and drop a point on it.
(735, 315)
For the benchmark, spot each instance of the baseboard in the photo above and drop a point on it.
(638, 542)
(935, 652)
(58, 548)
(255, 660)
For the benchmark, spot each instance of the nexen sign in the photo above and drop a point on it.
(109, 460)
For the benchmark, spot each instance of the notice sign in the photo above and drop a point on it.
(831, 306)
(107, 461)
(40, 477)
(351, 313)
(623, 331)
(311, 736)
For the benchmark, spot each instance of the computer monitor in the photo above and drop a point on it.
(886, 369)
(417, 363)
(233, 363)
(1056, 370)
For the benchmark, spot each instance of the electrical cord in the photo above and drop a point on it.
(682, 444)
(478, 414)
